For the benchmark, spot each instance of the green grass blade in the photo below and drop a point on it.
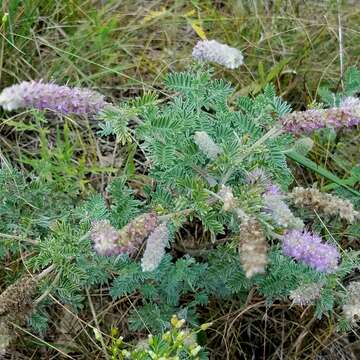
(302, 160)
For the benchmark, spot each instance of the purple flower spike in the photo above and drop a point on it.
(309, 249)
(62, 99)
(347, 115)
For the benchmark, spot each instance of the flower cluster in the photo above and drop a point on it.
(352, 306)
(15, 305)
(258, 176)
(330, 205)
(105, 238)
(309, 249)
(62, 99)
(252, 248)
(347, 115)
(213, 51)
(179, 342)
(206, 144)
(109, 241)
(280, 212)
(227, 196)
(350, 101)
(155, 248)
(306, 294)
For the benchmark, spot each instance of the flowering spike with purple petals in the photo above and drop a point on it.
(62, 99)
(309, 249)
(299, 122)
(213, 51)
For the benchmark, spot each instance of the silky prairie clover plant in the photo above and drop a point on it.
(220, 162)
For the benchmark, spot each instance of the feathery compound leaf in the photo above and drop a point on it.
(352, 81)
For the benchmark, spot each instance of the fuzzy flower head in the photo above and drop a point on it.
(258, 176)
(155, 248)
(350, 101)
(61, 99)
(306, 294)
(309, 249)
(105, 238)
(252, 247)
(109, 241)
(213, 51)
(278, 209)
(351, 308)
(227, 196)
(206, 144)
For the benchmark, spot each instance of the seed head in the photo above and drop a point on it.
(252, 248)
(330, 205)
(109, 241)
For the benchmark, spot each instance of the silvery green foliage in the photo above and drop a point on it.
(62, 99)
(213, 51)
(155, 248)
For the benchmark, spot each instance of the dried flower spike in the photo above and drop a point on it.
(17, 298)
(206, 144)
(330, 205)
(213, 51)
(252, 248)
(109, 241)
(309, 249)
(62, 99)
(155, 248)
(351, 308)
(299, 122)
(15, 305)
